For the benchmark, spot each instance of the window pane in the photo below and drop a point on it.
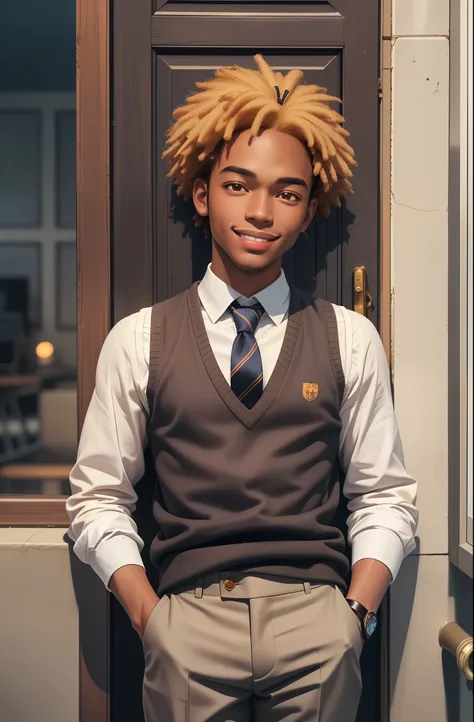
(20, 169)
(20, 264)
(66, 169)
(66, 305)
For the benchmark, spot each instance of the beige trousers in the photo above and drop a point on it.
(237, 648)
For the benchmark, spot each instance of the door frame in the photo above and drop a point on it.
(385, 282)
(94, 313)
(97, 302)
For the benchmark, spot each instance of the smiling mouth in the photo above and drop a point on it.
(257, 237)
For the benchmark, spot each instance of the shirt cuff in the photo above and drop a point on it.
(113, 553)
(381, 544)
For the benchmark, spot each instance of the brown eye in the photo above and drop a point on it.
(289, 196)
(236, 187)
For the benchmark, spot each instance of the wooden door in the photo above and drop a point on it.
(158, 54)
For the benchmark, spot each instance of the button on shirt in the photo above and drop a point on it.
(381, 495)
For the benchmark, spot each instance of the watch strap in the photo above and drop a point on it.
(358, 608)
(366, 617)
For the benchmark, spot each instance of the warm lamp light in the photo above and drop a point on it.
(45, 352)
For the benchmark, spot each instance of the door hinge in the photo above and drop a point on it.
(379, 88)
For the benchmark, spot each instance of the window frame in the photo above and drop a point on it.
(92, 236)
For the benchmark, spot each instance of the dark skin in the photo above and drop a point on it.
(257, 187)
(260, 186)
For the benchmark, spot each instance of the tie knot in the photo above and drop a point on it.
(246, 318)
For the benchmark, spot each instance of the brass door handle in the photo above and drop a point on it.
(362, 298)
(453, 638)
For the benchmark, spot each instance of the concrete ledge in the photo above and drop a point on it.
(16, 538)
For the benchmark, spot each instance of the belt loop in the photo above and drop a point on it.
(307, 587)
(198, 588)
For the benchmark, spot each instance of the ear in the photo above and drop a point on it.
(310, 211)
(201, 197)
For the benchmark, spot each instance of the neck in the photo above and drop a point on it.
(246, 282)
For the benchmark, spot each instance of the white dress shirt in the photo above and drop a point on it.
(110, 460)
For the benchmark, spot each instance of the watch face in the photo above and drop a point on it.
(370, 623)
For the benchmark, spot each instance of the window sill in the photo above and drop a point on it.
(33, 511)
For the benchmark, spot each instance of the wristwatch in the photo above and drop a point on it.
(368, 619)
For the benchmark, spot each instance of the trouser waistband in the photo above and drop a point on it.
(235, 585)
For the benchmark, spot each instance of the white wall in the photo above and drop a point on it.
(39, 628)
(428, 591)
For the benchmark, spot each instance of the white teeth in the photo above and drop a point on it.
(252, 238)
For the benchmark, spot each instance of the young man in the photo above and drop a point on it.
(252, 396)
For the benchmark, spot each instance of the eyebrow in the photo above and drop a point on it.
(238, 170)
(292, 180)
(286, 180)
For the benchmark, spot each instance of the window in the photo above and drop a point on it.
(38, 344)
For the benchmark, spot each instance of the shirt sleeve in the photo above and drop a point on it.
(381, 494)
(110, 458)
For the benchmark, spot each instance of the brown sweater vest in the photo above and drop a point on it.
(248, 489)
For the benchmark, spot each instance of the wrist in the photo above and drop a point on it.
(367, 619)
(360, 623)
(130, 586)
(143, 609)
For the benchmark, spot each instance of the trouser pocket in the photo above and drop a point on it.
(153, 616)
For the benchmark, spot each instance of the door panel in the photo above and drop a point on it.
(159, 50)
(242, 26)
(144, 270)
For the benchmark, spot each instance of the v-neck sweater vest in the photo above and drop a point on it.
(257, 489)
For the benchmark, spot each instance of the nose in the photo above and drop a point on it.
(259, 209)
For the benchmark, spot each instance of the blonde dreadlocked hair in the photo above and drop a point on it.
(237, 99)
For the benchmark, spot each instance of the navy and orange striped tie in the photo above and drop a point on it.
(246, 375)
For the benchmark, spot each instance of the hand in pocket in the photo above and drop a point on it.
(147, 611)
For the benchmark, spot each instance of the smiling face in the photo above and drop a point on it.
(258, 200)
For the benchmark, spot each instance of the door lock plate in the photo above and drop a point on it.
(362, 298)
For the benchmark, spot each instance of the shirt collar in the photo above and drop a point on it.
(216, 296)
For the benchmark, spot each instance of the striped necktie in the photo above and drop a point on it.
(246, 374)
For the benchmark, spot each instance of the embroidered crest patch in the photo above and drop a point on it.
(310, 391)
